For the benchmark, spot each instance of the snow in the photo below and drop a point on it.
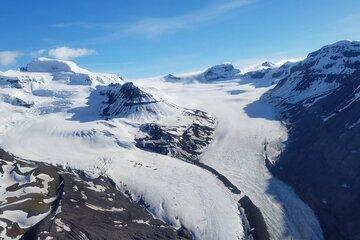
(64, 128)
(53, 65)
(95, 187)
(10, 178)
(141, 221)
(60, 225)
(97, 208)
(21, 217)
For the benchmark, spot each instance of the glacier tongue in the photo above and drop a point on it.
(245, 126)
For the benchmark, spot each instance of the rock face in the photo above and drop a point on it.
(184, 142)
(128, 100)
(48, 202)
(319, 100)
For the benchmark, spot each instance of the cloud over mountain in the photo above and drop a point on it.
(66, 53)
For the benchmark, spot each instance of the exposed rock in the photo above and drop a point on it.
(256, 220)
(184, 142)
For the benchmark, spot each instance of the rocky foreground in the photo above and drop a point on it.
(48, 202)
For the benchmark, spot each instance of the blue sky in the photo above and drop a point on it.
(155, 37)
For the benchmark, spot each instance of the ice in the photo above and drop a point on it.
(244, 124)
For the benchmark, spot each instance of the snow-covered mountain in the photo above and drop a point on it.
(221, 72)
(148, 140)
(65, 71)
(322, 72)
(320, 102)
(266, 74)
(53, 65)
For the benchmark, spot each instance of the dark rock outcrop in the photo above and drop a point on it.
(256, 219)
(184, 142)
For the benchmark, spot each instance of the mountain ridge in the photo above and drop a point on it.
(319, 101)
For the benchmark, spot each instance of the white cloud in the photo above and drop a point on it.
(153, 27)
(8, 57)
(69, 53)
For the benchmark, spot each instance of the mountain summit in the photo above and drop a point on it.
(53, 65)
(224, 71)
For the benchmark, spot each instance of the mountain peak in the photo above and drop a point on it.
(268, 64)
(171, 77)
(43, 64)
(220, 72)
(132, 93)
(128, 100)
(343, 48)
